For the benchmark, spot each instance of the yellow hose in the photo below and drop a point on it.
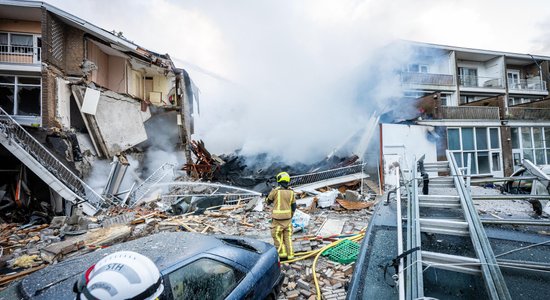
(317, 253)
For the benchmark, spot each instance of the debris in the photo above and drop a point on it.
(327, 199)
(300, 219)
(26, 261)
(331, 227)
(355, 205)
(351, 195)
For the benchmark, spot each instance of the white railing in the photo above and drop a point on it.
(480, 81)
(427, 78)
(527, 84)
(17, 134)
(20, 54)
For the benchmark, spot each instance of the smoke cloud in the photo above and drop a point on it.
(298, 78)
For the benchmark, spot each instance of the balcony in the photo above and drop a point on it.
(469, 112)
(473, 81)
(527, 113)
(427, 79)
(20, 55)
(529, 85)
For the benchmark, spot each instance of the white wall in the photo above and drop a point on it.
(407, 142)
(63, 107)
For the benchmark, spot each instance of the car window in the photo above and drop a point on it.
(203, 279)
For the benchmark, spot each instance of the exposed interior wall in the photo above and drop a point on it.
(20, 26)
(135, 83)
(101, 60)
(117, 74)
(162, 85)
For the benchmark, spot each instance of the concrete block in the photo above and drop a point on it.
(302, 284)
(352, 195)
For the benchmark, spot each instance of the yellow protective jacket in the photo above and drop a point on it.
(282, 203)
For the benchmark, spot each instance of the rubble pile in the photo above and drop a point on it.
(28, 249)
(333, 280)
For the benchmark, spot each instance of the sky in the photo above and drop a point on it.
(296, 78)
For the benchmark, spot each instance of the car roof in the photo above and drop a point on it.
(164, 249)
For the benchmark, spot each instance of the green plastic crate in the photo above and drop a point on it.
(344, 253)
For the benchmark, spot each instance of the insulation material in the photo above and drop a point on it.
(91, 100)
(63, 107)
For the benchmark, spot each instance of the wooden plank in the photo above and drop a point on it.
(10, 278)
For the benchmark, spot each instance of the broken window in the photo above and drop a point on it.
(20, 95)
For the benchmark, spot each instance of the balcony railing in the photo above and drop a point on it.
(20, 55)
(469, 112)
(528, 113)
(480, 82)
(426, 79)
(527, 85)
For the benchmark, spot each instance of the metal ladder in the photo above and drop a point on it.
(149, 182)
(44, 164)
(485, 262)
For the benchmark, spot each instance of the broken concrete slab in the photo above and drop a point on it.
(331, 227)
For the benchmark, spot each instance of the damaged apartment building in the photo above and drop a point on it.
(71, 90)
(492, 106)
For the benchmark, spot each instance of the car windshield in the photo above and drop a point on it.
(203, 279)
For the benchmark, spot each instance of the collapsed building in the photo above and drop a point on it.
(71, 93)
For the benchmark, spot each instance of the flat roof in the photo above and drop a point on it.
(479, 51)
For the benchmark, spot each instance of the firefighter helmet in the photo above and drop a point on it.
(121, 275)
(283, 177)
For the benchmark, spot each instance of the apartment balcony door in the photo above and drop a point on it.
(468, 76)
(513, 79)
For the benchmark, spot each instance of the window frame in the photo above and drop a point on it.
(487, 153)
(16, 86)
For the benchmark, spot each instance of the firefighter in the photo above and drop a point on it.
(284, 206)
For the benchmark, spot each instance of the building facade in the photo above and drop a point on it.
(77, 90)
(491, 106)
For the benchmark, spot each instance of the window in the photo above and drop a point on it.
(514, 80)
(416, 68)
(468, 76)
(203, 279)
(477, 146)
(16, 42)
(20, 95)
(533, 143)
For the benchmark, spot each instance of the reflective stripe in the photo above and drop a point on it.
(276, 211)
(290, 247)
(278, 201)
(282, 247)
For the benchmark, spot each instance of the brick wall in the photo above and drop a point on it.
(74, 50)
(48, 98)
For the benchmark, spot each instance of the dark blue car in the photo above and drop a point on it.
(193, 266)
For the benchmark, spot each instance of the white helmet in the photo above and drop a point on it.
(121, 275)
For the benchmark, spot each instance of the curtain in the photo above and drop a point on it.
(21, 40)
